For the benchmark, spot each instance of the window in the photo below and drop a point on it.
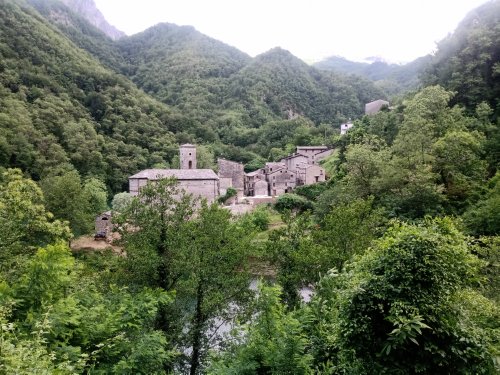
(189, 154)
(190, 164)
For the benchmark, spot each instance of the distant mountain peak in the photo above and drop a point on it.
(88, 10)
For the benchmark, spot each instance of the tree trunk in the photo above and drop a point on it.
(197, 331)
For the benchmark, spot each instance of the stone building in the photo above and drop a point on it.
(281, 180)
(250, 181)
(308, 174)
(312, 152)
(375, 106)
(292, 161)
(300, 168)
(187, 156)
(231, 174)
(103, 225)
(202, 183)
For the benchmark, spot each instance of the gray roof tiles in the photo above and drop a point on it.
(180, 174)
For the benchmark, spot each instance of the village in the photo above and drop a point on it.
(261, 186)
(274, 179)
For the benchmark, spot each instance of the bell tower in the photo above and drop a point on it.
(187, 156)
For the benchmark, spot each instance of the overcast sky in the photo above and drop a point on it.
(396, 30)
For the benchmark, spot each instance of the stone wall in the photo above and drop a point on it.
(232, 170)
(208, 189)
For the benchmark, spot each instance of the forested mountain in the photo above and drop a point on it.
(216, 94)
(468, 61)
(392, 78)
(89, 11)
(61, 108)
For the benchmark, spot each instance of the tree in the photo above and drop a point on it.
(195, 249)
(24, 221)
(347, 230)
(483, 218)
(293, 250)
(395, 309)
(272, 343)
(121, 201)
(70, 199)
(215, 276)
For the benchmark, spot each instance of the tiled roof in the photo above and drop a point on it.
(254, 173)
(180, 174)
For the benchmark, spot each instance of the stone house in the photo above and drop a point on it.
(292, 161)
(231, 174)
(308, 174)
(250, 181)
(281, 181)
(313, 152)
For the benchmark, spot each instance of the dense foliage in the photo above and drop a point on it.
(390, 266)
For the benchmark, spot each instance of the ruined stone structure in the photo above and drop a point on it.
(231, 174)
(203, 183)
(187, 156)
(103, 225)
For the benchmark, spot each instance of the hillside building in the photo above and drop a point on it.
(344, 128)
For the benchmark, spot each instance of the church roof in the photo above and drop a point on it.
(180, 174)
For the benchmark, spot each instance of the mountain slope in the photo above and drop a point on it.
(182, 67)
(392, 78)
(88, 10)
(59, 108)
(468, 61)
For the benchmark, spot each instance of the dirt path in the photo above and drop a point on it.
(87, 243)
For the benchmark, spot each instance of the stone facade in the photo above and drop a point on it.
(309, 174)
(261, 188)
(233, 172)
(187, 156)
(281, 181)
(310, 152)
(203, 183)
(292, 161)
(250, 181)
(103, 224)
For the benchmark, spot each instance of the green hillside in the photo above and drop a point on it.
(468, 61)
(391, 78)
(60, 108)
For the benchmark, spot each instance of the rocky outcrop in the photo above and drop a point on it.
(88, 10)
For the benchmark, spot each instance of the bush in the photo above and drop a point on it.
(292, 202)
(311, 192)
(230, 192)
